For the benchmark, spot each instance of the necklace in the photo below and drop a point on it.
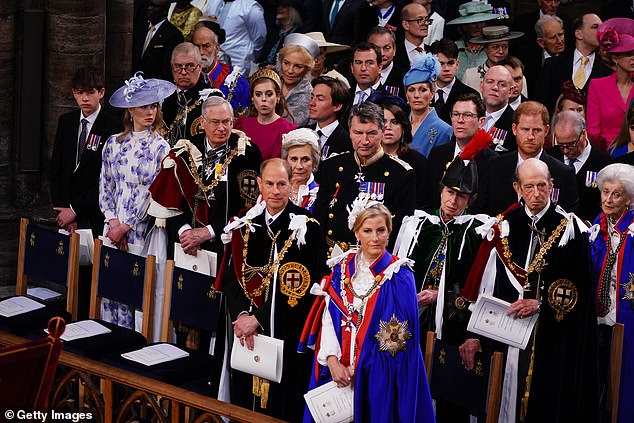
(604, 301)
(269, 269)
(539, 263)
(217, 177)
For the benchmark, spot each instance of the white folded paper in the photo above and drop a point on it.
(42, 293)
(136, 249)
(18, 305)
(489, 318)
(83, 329)
(204, 261)
(155, 354)
(265, 360)
(86, 245)
(331, 404)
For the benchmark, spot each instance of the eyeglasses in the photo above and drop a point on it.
(464, 116)
(569, 145)
(189, 67)
(216, 122)
(421, 21)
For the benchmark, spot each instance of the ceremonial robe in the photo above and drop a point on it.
(390, 384)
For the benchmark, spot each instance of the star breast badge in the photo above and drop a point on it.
(393, 335)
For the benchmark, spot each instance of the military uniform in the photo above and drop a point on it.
(340, 177)
(283, 303)
(233, 85)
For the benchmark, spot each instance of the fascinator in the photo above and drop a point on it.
(381, 98)
(362, 202)
(571, 92)
(616, 35)
(139, 92)
(304, 41)
(424, 70)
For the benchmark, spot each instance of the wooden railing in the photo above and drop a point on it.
(115, 392)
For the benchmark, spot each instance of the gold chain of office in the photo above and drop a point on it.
(268, 268)
(538, 262)
(198, 180)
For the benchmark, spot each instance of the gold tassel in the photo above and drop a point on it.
(529, 376)
(261, 389)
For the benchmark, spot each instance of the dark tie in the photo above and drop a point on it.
(571, 163)
(441, 101)
(82, 140)
(419, 49)
(534, 238)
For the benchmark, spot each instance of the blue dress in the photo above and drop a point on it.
(128, 169)
(432, 132)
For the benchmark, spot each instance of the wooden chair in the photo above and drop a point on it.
(125, 278)
(28, 370)
(45, 255)
(616, 358)
(493, 374)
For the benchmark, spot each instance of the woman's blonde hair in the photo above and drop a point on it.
(128, 126)
(373, 211)
(307, 60)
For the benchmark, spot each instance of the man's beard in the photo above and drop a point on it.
(206, 63)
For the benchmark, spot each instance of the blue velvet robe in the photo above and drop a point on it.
(624, 308)
(386, 388)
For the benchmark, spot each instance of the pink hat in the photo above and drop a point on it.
(616, 35)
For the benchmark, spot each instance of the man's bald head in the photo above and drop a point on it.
(533, 184)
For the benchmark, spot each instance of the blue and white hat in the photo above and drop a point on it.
(424, 70)
(139, 92)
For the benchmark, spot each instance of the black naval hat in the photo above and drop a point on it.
(464, 177)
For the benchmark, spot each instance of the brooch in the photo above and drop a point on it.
(393, 335)
(562, 297)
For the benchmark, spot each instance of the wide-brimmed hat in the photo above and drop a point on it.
(494, 34)
(474, 11)
(616, 35)
(211, 23)
(318, 37)
(424, 70)
(139, 92)
(304, 41)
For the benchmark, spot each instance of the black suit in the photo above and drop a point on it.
(527, 49)
(394, 81)
(439, 158)
(589, 197)
(496, 192)
(505, 122)
(556, 71)
(155, 61)
(338, 142)
(348, 28)
(626, 158)
(458, 88)
(78, 186)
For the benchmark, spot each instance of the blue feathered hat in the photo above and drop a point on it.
(424, 70)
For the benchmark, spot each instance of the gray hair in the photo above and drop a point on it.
(187, 48)
(539, 25)
(367, 112)
(381, 30)
(199, 26)
(299, 138)
(621, 173)
(214, 100)
(294, 17)
(570, 118)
